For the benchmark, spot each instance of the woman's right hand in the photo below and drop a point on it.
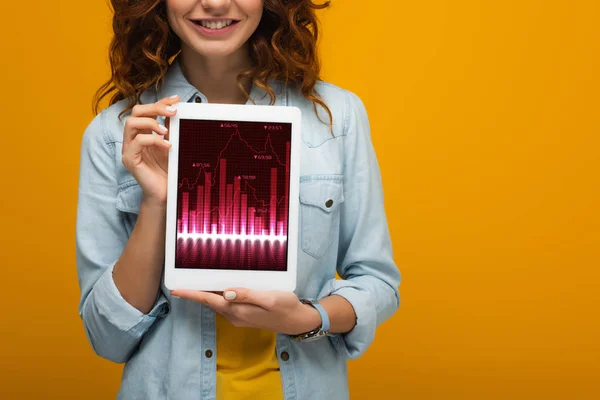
(146, 155)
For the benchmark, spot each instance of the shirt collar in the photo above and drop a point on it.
(175, 83)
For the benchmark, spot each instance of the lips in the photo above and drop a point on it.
(213, 24)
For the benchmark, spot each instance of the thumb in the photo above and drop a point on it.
(243, 295)
(230, 295)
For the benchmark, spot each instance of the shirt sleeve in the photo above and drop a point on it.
(113, 326)
(370, 277)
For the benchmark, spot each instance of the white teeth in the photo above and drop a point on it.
(216, 24)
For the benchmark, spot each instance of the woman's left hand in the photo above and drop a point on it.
(271, 310)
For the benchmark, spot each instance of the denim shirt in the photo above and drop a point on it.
(165, 351)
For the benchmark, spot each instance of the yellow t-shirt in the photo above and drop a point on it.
(247, 365)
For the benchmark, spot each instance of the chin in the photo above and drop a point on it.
(215, 49)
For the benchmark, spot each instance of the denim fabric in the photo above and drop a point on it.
(164, 350)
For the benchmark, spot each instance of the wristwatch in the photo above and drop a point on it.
(316, 333)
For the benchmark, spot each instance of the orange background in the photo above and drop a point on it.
(485, 118)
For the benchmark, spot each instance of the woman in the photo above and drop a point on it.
(241, 344)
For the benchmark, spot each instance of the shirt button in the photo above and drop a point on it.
(198, 100)
(285, 356)
(208, 353)
(329, 203)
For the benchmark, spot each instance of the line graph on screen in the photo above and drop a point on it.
(233, 195)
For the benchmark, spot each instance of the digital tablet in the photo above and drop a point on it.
(232, 203)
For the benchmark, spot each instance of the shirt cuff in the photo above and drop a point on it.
(354, 343)
(119, 313)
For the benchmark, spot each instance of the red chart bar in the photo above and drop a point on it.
(207, 185)
(251, 211)
(185, 210)
(236, 205)
(199, 209)
(243, 213)
(228, 209)
(222, 198)
(273, 202)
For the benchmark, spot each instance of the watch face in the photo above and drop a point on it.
(306, 337)
(319, 335)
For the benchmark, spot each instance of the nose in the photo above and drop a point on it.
(216, 6)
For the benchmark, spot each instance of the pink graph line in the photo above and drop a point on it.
(234, 218)
(237, 133)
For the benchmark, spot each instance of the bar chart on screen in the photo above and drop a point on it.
(233, 195)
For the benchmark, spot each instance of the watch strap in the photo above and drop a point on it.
(324, 316)
(318, 332)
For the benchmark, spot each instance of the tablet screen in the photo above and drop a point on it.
(233, 195)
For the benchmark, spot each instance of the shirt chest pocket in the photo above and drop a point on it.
(320, 201)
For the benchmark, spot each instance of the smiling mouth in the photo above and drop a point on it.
(215, 25)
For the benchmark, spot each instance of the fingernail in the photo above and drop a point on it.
(231, 295)
(167, 142)
(174, 96)
(162, 128)
(170, 108)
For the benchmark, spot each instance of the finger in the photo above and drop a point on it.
(163, 107)
(212, 300)
(140, 142)
(170, 100)
(137, 125)
(263, 299)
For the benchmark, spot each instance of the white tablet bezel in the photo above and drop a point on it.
(218, 280)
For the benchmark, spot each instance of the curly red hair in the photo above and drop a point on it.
(283, 48)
